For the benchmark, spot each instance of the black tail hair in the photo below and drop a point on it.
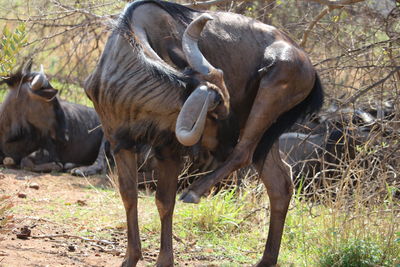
(311, 104)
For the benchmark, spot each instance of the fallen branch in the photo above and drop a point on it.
(75, 237)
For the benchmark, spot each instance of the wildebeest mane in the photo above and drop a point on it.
(157, 69)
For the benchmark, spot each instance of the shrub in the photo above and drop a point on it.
(354, 253)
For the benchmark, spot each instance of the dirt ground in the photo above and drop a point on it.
(31, 239)
(55, 249)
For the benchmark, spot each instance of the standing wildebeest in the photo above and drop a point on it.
(44, 133)
(142, 83)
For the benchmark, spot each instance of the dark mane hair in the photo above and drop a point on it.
(182, 15)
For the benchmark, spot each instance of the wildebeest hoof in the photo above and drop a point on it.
(190, 197)
(7, 161)
(70, 166)
(78, 172)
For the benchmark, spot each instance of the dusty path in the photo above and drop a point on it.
(56, 250)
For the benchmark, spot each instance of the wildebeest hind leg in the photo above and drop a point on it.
(127, 179)
(276, 178)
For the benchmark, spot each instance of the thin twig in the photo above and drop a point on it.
(75, 237)
(368, 88)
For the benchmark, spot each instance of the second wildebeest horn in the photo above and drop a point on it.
(39, 80)
(192, 117)
(190, 47)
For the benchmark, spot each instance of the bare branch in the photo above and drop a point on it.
(357, 50)
(338, 3)
(304, 39)
(331, 5)
(370, 87)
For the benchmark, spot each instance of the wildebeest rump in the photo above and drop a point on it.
(43, 133)
(152, 85)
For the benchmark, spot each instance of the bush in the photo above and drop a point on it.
(11, 44)
(354, 253)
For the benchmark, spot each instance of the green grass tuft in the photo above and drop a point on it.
(355, 253)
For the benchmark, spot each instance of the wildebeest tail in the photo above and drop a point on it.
(311, 104)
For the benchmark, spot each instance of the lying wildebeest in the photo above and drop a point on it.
(323, 147)
(311, 154)
(152, 85)
(43, 133)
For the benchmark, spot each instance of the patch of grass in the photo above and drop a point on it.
(354, 253)
(72, 93)
(217, 214)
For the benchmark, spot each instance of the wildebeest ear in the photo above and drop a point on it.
(10, 81)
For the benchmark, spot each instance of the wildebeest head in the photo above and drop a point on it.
(30, 110)
(212, 93)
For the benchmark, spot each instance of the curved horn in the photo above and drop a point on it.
(365, 116)
(190, 47)
(192, 117)
(39, 80)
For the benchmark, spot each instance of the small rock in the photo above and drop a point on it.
(21, 178)
(71, 248)
(97, 255)
(22, 195)
(34, 186)
(24, 233)
(81, 202)
(2, 176)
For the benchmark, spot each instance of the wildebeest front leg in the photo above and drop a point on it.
(127, 179)
(167, 173)
(40, 161)
(276, 178)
